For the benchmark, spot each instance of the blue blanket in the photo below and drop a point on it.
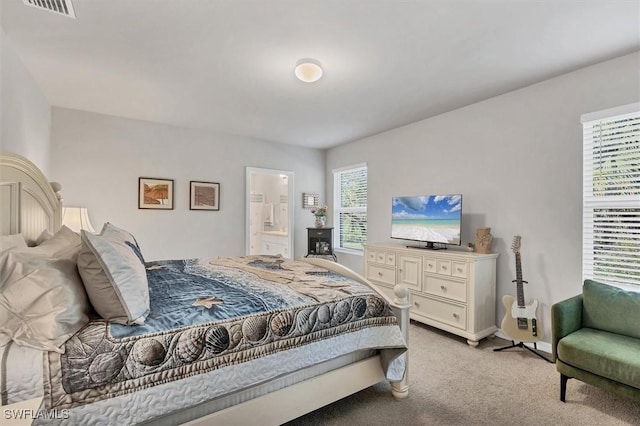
(207, 315)
(175, 285)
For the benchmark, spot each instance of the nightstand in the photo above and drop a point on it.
(320, 242)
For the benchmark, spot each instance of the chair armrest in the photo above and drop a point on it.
(566, 317)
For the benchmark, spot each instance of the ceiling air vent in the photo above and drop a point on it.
(61, 7)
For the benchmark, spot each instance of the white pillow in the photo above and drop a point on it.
(7, 243)
(42, 299)
(10, 242)
(4, 339)
(44, 236)
(63, 242)
(114, 276)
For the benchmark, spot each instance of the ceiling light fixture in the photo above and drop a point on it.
(308, 70)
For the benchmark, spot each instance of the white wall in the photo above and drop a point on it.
(517, 160)
(25, 114)
(98, 160)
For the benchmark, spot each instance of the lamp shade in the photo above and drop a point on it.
(76, 219)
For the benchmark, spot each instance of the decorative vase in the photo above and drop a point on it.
(320, 221)
(483, 240)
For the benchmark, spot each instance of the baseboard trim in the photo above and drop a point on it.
(542, 346)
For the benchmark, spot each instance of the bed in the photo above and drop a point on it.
(240, 336)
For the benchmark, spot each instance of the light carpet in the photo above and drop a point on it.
(455, 384)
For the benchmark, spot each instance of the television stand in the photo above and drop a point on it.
(453, 290)
(429, 246)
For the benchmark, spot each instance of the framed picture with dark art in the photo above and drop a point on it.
(155, 193)
(204, 196)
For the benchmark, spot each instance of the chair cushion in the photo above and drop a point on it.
(605, 354)
(610, 308)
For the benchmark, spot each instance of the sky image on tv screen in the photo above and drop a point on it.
(433, 218)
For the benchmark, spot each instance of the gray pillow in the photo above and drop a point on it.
(114, 277)
(42, 299)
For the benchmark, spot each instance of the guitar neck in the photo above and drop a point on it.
(519, 282)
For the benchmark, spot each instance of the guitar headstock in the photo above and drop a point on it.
(515, 246)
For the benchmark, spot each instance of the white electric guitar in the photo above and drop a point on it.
(520, 322)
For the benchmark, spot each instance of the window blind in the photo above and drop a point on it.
(350, 192)
(611, 198)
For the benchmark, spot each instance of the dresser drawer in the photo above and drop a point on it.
(430, 265)
(448, 313)
(459, 269)
(371, 256)
(381, 275)
(443, 267)
(384, 258)
(450, 289)
(324, 233)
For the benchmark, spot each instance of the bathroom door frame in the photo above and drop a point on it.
(247, 231)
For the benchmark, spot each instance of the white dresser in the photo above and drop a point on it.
(453, 290)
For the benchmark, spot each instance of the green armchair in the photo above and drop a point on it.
(596, 339)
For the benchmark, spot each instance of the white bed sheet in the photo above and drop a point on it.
(247, 394)
(20, 373)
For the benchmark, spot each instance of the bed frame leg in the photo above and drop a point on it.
(400, 389)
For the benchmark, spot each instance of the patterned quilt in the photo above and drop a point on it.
(209, 314)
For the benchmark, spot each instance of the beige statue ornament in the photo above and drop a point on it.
(483, 240)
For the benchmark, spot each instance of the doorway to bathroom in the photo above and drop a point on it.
(269, 212)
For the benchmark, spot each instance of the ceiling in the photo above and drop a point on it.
(227, 65)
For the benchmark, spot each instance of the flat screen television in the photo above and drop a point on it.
(430, 219)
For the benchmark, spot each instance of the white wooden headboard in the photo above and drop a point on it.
(29, 204)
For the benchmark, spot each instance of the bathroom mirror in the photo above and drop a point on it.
(269, 212)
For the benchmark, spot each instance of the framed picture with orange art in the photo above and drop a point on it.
(204, 195)
(155, 193)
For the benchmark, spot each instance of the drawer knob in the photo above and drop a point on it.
(430, 265)
(417, 304)
(459, 269)
(444, 268)
(455, 316)
(443, 288)
(379, 273)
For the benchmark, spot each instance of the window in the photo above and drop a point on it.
(611, 200)
(350, 207)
